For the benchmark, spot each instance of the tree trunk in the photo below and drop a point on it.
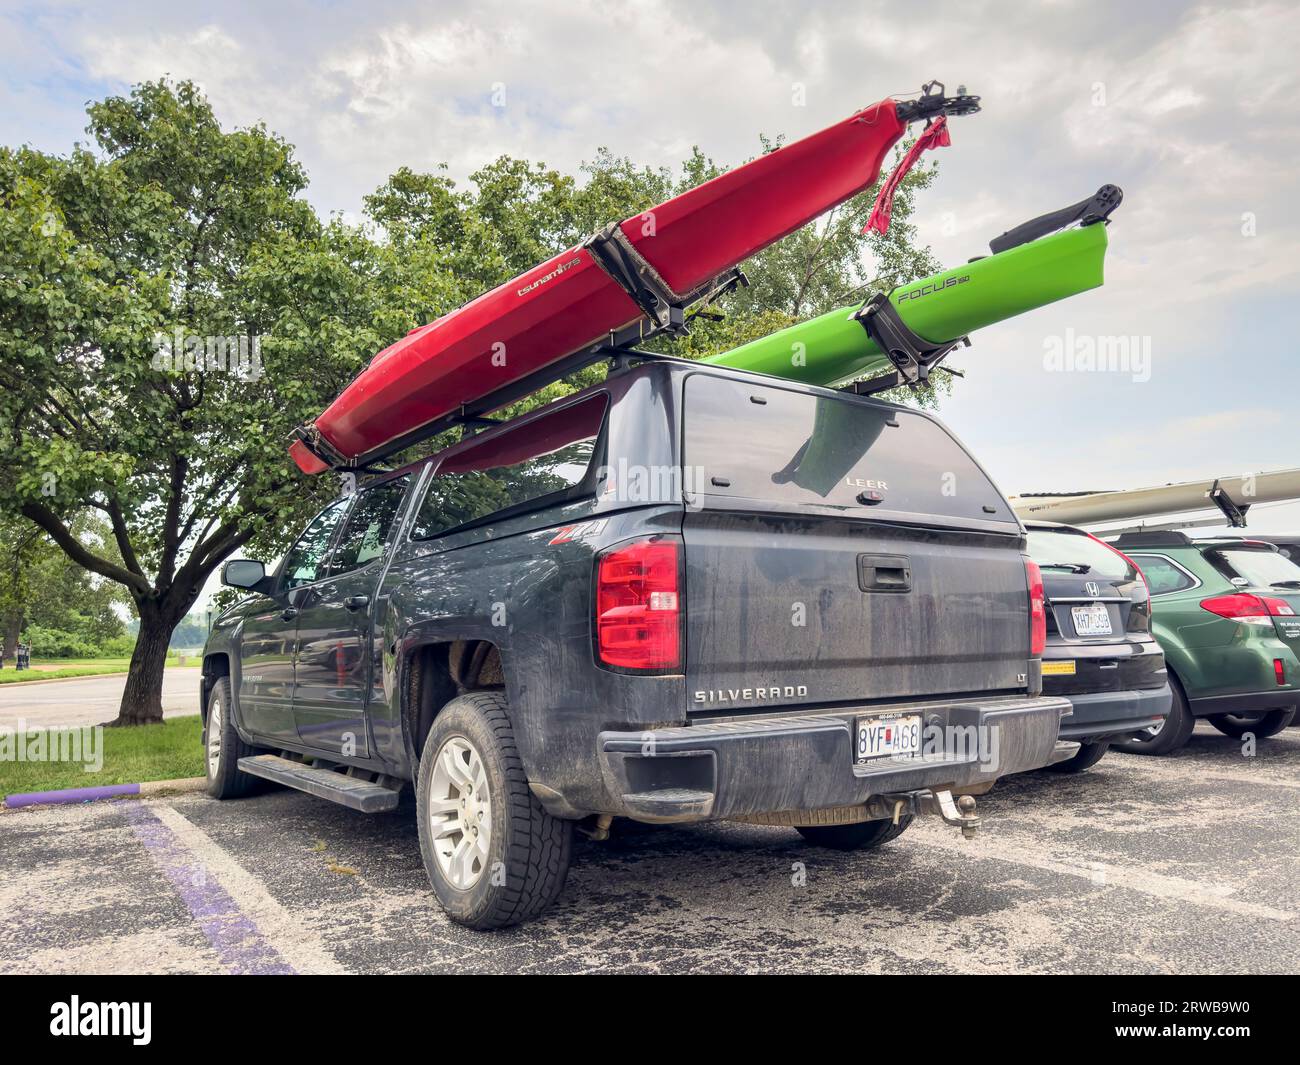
(142, 697)
(13, 628)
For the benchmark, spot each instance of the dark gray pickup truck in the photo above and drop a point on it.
(687, 593)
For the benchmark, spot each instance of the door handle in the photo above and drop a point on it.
(884, 573)
(289, 613)
(356, 602)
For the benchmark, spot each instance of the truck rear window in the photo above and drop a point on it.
(756, 442)
(512, 470)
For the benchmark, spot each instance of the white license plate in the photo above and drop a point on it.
(1091, 620)
(898, 734)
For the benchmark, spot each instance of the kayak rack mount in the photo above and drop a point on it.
(913, 356)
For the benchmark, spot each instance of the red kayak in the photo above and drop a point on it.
(664, 258)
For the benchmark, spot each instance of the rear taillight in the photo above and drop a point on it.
(638, 606)
(1279, 608)
(1279, 671)
(1037, 609)
(1247, 608)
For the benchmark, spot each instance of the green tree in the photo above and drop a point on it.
(56, 604)
(173, 228)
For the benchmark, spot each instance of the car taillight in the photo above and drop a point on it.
(638, 606)
(1247, 608)
(1037, 609)
(1279, 671)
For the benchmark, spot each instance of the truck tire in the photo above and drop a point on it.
(863, 836)
(493, 855)
(1264, 724)
(1170, 736)
(1088, 755)
(223, 748)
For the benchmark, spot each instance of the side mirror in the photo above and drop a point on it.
(243, 573)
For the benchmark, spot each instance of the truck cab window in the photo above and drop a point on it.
(305, 561)
(366, 532)
(540, 458)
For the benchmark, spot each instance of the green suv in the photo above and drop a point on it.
(1227, 614)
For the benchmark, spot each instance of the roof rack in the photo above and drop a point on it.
(1167, 538)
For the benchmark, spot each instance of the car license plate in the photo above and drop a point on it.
(897, 734)
(1091, 620)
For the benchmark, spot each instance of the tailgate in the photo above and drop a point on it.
(1288, 626)
(800, 592)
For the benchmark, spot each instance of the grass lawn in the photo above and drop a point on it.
(63, 668)
(168, 751)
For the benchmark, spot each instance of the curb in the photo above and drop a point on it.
(105, 791)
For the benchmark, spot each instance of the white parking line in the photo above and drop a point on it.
(297, 944)
(1184, 769)
(1100, 874)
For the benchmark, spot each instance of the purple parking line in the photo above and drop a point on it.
(103, 791)
(236, 939)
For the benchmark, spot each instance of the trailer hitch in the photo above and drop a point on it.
(958, 812)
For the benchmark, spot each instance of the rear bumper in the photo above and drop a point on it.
(1245, 703)
(761, 764)
(1098, 715)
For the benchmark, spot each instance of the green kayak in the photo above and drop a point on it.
(835, 348)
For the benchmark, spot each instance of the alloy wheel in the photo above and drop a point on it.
(460, 813)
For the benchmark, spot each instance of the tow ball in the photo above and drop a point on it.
(958, 812)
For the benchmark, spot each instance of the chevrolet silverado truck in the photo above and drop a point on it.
(686, 593)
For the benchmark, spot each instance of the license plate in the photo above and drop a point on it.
(1063, 668)
(1091, 620)
(898, 734)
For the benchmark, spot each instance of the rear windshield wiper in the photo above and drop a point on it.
(1286, 584)
(1072, 567)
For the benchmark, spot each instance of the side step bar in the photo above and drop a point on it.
(352, 792)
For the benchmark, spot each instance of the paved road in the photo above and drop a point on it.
(1177, 865)
(90, 700)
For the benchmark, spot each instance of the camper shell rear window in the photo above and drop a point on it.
(795, 450)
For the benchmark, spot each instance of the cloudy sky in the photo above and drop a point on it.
(1191, 109)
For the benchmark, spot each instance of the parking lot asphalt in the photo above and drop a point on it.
(1185, 864)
